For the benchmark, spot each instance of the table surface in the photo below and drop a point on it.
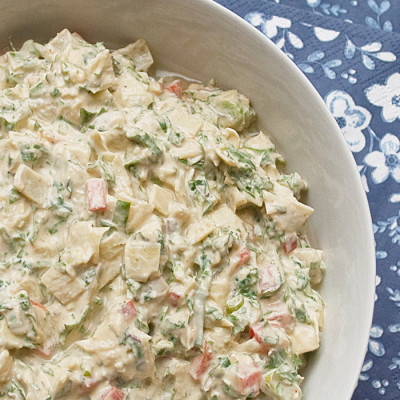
(350, 51)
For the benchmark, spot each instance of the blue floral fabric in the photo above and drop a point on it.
(377, 14)
(350, 51)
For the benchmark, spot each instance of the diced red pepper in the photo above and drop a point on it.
(128, 310)
(173, 298)
(270, 280)
(113, 394)
(290, 244)
(279, 316)
(33, 302)
(77, 35)
(199, 365)
(45, 353)
(244, 256)
(248, 379)
(262, 332)
(96, 194)
(49, 137)
(175, 87)
(255, 331)
(88, 385)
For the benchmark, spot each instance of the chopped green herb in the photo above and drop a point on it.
(35, 91)
(243, 158)
(88, 276)
(30, 154)
(55, 92)
(225, 362)
(70, 187)
(85, 116)
(183, 161)
(246, 285)
(175, 137)
(163, 125)
(98, 300)
(24, 301)
(202, 194)
(14, 196)
(249, 182)
(69, 328)
(157, 180)
(61, 209)
(146, 140)
(121, 213)
(69, 122)
(9, 126)
(161, 241)
(107, 172)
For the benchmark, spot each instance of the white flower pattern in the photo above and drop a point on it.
(271, 25)
(350, 118)
(386, 96)
(387, 161)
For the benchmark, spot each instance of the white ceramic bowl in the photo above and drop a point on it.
(200, 39)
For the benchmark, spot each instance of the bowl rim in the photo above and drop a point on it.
(364, 210)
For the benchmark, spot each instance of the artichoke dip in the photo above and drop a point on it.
(149, 246)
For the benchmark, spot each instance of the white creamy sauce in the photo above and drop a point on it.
(149, 246)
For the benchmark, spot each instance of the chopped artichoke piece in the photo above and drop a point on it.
(33, 185)
(142, 260)
(63, 286)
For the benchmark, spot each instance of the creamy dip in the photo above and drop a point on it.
(149, 246)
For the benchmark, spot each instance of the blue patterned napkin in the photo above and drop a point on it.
(350, 51)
